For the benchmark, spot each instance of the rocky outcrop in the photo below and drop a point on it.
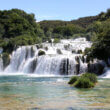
(33, 65)
(77, 69)
(59, 51)
(26, 55)
(77, 66)
(32, 51)
(97, 68)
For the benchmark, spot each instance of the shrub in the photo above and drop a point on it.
(83, 82)
(41, 52)
(56, 40)
(73, 80)
(91, 76)
(86, 80)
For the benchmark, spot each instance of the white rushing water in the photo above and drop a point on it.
(60, 58)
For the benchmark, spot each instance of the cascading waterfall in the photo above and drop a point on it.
(59, 59)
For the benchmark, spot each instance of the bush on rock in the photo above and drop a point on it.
(87, 80)
(73, 80)
(41, 52)
(91, 76)
(83, 83)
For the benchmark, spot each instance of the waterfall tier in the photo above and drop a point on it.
(60, 59)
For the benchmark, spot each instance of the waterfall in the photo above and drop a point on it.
(59, 59)
(1, 65)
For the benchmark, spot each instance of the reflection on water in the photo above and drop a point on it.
(30, 93)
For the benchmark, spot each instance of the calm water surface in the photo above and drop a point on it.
(44, 93)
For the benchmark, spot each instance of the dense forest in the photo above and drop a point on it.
(20, 28)
(94, 28)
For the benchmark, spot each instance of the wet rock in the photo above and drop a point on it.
(87, 59)
(15, 48)
(73, 51)
(39, 46)
(32, 52)
(77, 66)
(33, 65)
(46, 48)
(83, 59)
(96, 68)
(79, 52)
(77, 59)
(64, 67)
(59, 51)
(77, 69)
(26, 55)
(67, 47)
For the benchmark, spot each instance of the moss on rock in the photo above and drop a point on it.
(41, 52)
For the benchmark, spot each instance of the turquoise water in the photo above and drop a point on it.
(50, 93)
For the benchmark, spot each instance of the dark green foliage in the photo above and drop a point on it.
(68, 30)
(41, 52)
(101, 47)
(86, 21)
(56, 40)
(6, 59)
(12, 43)
(87, 27)
(16, 22)
(86, 80)
(83, 82)
(18, 28)
(73, 79)
(91, 76)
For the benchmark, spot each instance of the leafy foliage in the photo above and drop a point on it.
(91, 76)
(83, 83)
(18, 28)
(101, 46)
(86, 80)
(41, 52)
(73, 79)
(56, 40)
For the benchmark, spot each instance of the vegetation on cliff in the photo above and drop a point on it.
(19, 28)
